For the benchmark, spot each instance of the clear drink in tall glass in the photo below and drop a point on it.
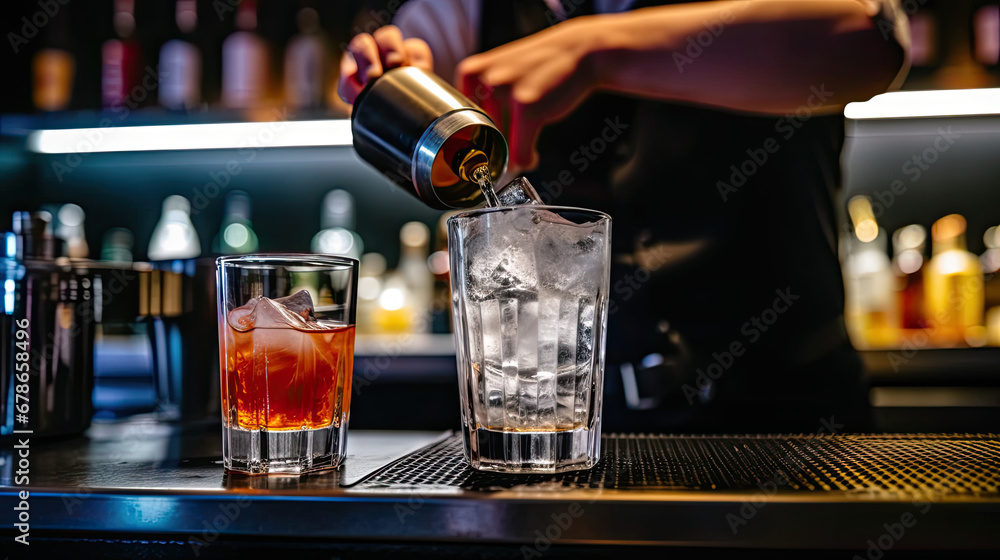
(530, 302)
(286, 332)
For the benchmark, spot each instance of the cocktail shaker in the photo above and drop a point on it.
(47, 376)
(423, 134)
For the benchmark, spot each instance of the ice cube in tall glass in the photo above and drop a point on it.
(530, 288)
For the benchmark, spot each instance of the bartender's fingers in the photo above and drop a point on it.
(545, 94)
(348, 86)
(359, 64)
(482, 92)
(525, 126)
(366, 54)
(418, 52)
(553, 84)
(366, 58)
(390, 47)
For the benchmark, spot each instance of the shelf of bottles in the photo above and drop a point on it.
(255, 55)
(245, 57)
(924, 293)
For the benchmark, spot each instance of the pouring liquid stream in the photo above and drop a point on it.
(481, 175)
(473, 165)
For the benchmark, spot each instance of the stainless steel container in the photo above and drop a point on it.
(157, 320)
(415, 128)
(53, 303)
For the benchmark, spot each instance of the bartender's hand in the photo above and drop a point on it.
(368, 56)
(770, 57)
(536, 80)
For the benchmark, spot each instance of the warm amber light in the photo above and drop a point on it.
(911, 237)
(863, 217)
(976, 336)
(948, 227)
(866, 231)
(992, 237)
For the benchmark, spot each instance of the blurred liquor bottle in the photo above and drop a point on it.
(990, 260)
(414, 239)
(393, 313)
(245, 63)
(337, 222)
(954, 284)
(991, 271)
(909, 245)
(439, 267)
(871, 310)
(69, 228)
(236, 235)
(121, 61)
(986, 23)
(117, 245)
(371, 277)
(174, 236)
(180, 61)
(405, 302)
(306, 63)
(53, 67)
(924, 46)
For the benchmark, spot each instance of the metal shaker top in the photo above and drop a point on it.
(413, 126)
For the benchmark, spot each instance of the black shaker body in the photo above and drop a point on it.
(53, 302)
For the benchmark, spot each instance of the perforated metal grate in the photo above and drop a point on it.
(939, 464)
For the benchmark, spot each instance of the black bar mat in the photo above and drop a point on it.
(881, 464)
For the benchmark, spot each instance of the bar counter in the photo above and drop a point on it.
(129, 489)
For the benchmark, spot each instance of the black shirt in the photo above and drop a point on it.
(726, 270)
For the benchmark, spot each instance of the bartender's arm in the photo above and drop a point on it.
(755, 56)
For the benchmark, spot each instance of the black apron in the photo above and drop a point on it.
(727, 301)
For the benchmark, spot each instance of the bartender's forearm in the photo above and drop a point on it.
(758, 56)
